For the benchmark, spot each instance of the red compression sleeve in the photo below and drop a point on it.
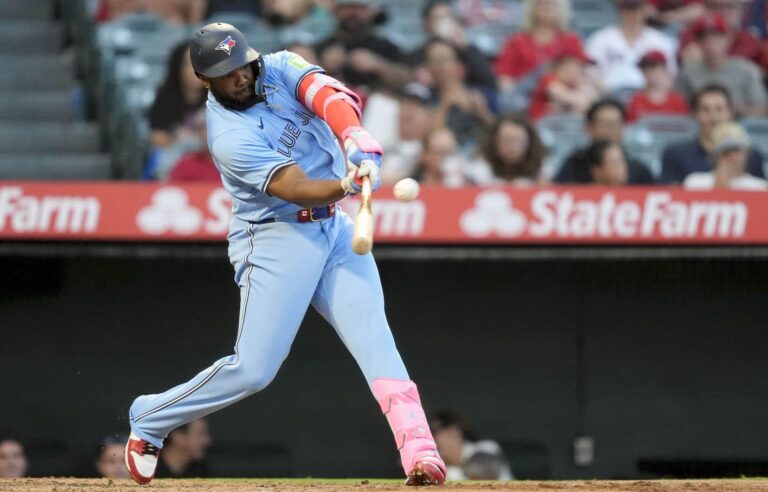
(339, 115)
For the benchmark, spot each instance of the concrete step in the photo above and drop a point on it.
(26, 37)
(24, 72)
(51, 166)
(52, 105)
(49, 137)
(26, 9)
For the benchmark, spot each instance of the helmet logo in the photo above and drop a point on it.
(226, 45)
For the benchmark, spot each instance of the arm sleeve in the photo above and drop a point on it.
(337, 113)
(246, 159)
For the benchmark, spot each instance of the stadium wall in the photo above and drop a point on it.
(661, 362)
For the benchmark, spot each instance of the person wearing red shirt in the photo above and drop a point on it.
(657, 96)
(567, 88)
(196, 165)
(742, 43)
(544, 32)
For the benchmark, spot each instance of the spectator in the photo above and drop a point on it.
(184, 452)
(306, 51)
(441, 22)
(617, 49)
(730, 154)
(741, 77)
(606, 163)
(674, 13)
(567, 88)
(402, 152)
(461, 108)
(711, 106)
(465, 457)
(658, 95)
(440, 163)
(525, 54)
(178, 99)
(741, 42)
(13, 461)
(605, 120)
(362, 59)
(514, 151)
(178, 12)
(196, 165)
(110, 462)
(254, 7)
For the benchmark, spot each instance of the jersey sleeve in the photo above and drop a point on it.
(293, 69)
(248, 160)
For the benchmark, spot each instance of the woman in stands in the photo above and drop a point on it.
(514, 152)
(172, 115)
(525, 54)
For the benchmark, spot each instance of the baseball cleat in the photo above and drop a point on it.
(428, 470)
(141, 459)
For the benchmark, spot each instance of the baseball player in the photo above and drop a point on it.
(274, 126)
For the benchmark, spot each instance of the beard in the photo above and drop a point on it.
(237, 104)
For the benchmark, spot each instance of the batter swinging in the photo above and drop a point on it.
(273, 123)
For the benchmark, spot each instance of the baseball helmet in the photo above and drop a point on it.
(219, 48)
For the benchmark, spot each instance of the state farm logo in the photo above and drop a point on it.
(23, 213)
(559, 214)
(493, 214)
(169, 211)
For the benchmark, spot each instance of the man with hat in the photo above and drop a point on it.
(740, 77)
(657, 96)
(616, 49)
(275, 123)
(741, 42)
(730, 152)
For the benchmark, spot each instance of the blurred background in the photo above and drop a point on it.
(550, 360)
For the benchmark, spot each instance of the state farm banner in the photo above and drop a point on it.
(120, 211)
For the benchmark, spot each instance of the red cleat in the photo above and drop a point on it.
(428, 470)
(141, 459)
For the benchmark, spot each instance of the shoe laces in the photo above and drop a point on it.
(150, 448)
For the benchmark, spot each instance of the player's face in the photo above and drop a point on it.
(237, 89)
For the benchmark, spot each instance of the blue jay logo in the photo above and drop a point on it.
(226, 45)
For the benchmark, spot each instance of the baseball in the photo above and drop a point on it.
(406, 190)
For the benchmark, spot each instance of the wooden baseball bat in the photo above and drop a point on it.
(362, 240)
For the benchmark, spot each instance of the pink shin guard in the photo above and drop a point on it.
(400, 402)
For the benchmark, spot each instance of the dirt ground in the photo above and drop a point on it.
(361, 485)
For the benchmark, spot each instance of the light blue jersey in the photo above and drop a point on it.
(250, 146)
(280, 266)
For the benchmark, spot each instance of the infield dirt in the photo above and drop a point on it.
(362, 485)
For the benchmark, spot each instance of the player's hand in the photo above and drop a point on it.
(361, 146)
(353, 182)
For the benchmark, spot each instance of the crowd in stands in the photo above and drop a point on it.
(451, 112)
(184, 456)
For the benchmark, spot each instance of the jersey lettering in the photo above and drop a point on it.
(305, 117)
(288, 139)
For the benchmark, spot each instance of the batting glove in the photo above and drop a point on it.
(352, 184)
(361, 146)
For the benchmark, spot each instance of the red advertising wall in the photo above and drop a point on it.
(110, 211)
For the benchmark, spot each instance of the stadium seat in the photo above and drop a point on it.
(590, 15)
(757, 128)
(562, 134)
(650, 135)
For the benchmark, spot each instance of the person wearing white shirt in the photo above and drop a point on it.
(617, 49)
(730, 156)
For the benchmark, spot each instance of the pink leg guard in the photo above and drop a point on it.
(400, 402)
